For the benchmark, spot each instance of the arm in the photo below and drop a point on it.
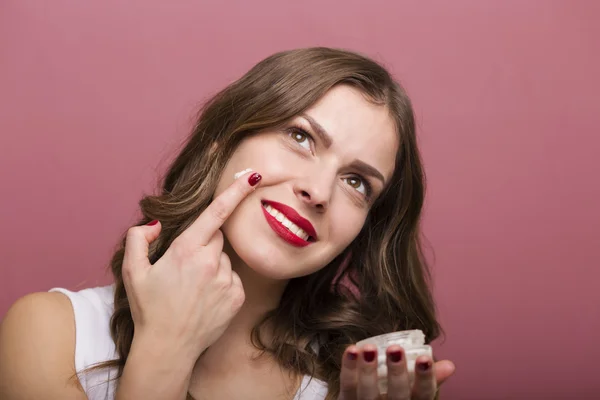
(37, 350)
(37, 357)
(155, 370)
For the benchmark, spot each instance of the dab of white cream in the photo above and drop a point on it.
(238, 174)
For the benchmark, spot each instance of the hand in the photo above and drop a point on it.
(189, 296)
(358, 378)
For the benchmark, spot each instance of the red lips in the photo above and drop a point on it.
(293, 216)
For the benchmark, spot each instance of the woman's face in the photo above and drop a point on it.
(320, 173)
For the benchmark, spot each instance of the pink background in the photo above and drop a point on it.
(95, 96)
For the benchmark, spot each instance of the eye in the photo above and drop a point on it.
(359, 184)
(301, 137)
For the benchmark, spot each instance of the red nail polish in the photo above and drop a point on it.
(424, 366)
(153, 222)
(395, 356)
(369, 355)
(352, 356)
(254, 179)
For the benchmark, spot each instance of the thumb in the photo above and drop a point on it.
(137, 241)
(443, 370)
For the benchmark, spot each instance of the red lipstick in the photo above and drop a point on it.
(294, 217)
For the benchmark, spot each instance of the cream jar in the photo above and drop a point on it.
(413, 343)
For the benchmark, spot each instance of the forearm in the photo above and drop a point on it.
(154, 371)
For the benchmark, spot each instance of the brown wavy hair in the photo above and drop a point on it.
(384, 263)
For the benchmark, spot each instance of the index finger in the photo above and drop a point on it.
(222, 206)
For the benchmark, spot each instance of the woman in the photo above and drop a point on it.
(256, 287)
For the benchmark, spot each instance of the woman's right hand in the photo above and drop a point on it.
(189, 296)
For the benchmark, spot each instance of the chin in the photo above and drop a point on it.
(267, 258)
(269, 270)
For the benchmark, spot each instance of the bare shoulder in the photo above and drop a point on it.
(37, 349)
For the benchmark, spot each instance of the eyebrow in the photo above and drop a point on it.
(367, 169)
(358, 165)
(319, 130)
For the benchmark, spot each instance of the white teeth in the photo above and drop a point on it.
(295, 229)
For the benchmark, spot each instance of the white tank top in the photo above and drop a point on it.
(93, 309)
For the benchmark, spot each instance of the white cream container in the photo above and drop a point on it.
(413, 343)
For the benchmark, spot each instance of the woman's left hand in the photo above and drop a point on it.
(358, 379)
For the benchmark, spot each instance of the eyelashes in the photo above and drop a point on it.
(368, 189)
(301, 137)
(297, 134)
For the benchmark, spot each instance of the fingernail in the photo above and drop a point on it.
(352, 356)
(153, 222)
(369, 355)
(395, 356)
(424, 366)
(254, 179)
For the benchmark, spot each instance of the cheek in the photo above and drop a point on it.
(274, 163)
(346, 223)
(267, 157)
(255, 154)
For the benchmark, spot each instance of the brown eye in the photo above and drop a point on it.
(301, 137)
(357, 184)
(354, 182)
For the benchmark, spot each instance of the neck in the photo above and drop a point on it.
(261, 296)
(233, 357)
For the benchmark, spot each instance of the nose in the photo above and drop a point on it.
(315, 189)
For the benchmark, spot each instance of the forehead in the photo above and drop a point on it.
(359, 128)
